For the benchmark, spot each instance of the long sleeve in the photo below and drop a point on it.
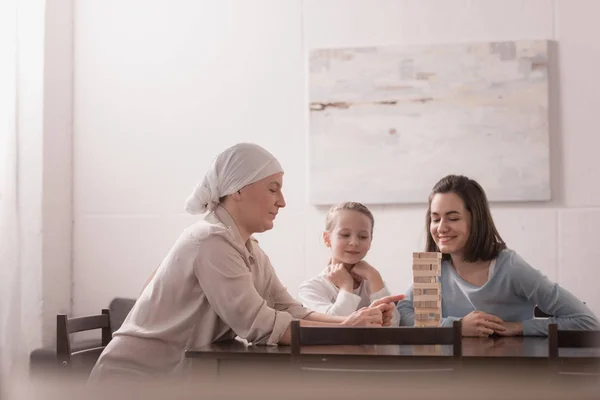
(319, 295)
(406, 311)
(228, 285)
(281, 298)
(568, 311)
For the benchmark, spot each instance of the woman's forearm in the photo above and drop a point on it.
(312, 319)
(323, 318)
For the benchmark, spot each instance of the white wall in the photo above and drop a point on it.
(161, 86)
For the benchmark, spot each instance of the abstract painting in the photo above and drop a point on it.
(386, 123)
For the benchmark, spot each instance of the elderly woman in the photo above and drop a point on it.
(216, 282)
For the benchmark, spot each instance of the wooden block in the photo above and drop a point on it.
(431, 313)
(426, 279)
(427, 323)
(427, 316)
(426, 292)
(436, 285)
(427, 255)
(427, 267)
(421, 297)
(426, 304)
(426, 261)
(426, 273)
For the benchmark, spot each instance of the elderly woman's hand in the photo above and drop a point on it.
(379, 313)
(366, 316)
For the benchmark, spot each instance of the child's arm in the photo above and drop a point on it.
(377, 287)
(320, 295)
(364, 270)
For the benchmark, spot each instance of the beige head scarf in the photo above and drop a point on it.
(236, 167)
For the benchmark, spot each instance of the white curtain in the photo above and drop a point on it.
(11, 349)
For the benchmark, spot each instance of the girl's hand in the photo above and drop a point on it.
(340, 277)
(364, 270)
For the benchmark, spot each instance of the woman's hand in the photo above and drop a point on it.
(366, 316)
(511, 329)
(481, 324)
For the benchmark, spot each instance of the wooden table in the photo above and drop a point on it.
(513, 354)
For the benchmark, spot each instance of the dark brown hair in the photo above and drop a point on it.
(484, 242)
(350, 205)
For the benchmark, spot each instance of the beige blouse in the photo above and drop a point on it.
(210, 287)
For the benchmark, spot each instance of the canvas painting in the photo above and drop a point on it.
(386, 123)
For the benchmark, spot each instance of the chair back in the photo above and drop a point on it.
(66, 326)
(356, 336)
(558, 338)
(119, 308)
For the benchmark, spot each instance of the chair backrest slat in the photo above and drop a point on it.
(98, 350)
(578, 338)
(570, 338)
(87, 323)
(362, 335)
(315, 336)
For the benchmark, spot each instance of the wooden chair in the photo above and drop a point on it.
(359, 336)
(84, 359)
(573, 339)
(570, 338)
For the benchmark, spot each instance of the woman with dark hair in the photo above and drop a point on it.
(485, 284)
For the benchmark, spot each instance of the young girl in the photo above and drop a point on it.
(348, 283)
(491, 288)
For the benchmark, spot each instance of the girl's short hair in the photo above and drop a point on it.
(484, 242)
(349, 205)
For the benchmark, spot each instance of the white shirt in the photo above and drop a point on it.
(321, 295)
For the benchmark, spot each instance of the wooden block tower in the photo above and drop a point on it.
(427, 288)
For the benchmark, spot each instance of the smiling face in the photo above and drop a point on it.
(349, 237)
(450, 223)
